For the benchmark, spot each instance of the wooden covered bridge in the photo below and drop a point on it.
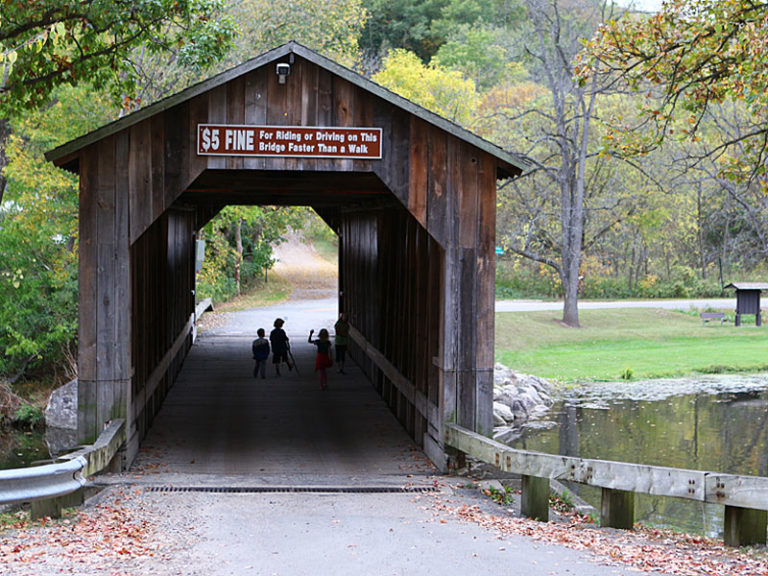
(411, 196)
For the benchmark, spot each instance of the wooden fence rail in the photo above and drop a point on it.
(745, 497)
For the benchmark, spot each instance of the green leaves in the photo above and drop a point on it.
(38, 233)
(445, 92)
(52, 42)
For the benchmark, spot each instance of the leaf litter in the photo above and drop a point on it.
(647, 549)
(115, 537)
(121, 536)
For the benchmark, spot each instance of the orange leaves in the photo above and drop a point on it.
(647, 549)
(100, 536)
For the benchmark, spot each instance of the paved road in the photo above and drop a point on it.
(221, 428)
(366, 534)
(322, 312)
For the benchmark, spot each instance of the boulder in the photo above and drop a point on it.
(502, 414)
(61, 411)
(524, 395)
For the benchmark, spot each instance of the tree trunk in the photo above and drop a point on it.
(5, 131)
(700, 233)
(571, 305)
(238, 252)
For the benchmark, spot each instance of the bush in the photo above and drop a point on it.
(28, 416)
(515, 279)
(605, 288)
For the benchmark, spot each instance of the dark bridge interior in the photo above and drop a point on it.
(324, 191)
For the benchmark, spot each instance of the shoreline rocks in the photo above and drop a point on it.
(518, 398)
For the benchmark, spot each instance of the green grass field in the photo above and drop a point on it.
(641, 343)
(261, 294)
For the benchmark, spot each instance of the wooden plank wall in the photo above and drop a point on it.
(104, 276)
(391, 268)
(163, 277)
(418, 279)
(452, 192)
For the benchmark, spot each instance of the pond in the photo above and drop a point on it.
(714, 423)
(22, 448)
(19, 449)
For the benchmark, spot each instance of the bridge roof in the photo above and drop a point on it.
(510, 164)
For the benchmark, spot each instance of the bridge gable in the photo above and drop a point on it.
(421, 154)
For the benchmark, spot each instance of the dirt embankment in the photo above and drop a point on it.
(308, 272)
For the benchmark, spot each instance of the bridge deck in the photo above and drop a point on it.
(219, 420)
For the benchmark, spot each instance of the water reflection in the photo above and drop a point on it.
(19, 449)
(717, 423)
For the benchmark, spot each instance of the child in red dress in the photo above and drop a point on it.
(324, 355)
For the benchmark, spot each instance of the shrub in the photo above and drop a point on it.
(28, 416)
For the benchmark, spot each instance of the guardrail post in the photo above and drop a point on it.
(744, 526)
(52, 507)
(456, 458)
(617, 509)
(534, 498)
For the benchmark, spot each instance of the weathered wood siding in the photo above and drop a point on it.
(163, 275)
(104, 369)
(391, 289)
(417, 234)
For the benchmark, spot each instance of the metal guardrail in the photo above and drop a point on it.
(51, 482)
(41, 482)
(745, 497)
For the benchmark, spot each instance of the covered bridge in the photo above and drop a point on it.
(411, 196)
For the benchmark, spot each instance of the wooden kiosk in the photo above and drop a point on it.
(748, 299)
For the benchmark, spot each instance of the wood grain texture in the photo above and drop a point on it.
(417, 229)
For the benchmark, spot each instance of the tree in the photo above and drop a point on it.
(53, 42)
(445, 92)
(480, 53)
(400, 24)
(239, 247)
(561, 144)
(38, 236)
(738, 225)
(331, 27)
(691, 55)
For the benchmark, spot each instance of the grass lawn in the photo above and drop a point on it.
(260, 294)
(327, 250)
(641, 343)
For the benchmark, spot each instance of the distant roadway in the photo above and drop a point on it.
(538, 305)
(322, 312)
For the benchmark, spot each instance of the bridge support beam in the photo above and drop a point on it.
(104, 332)
(617, 509)
(744, 526)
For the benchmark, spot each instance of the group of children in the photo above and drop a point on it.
(280, 347)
